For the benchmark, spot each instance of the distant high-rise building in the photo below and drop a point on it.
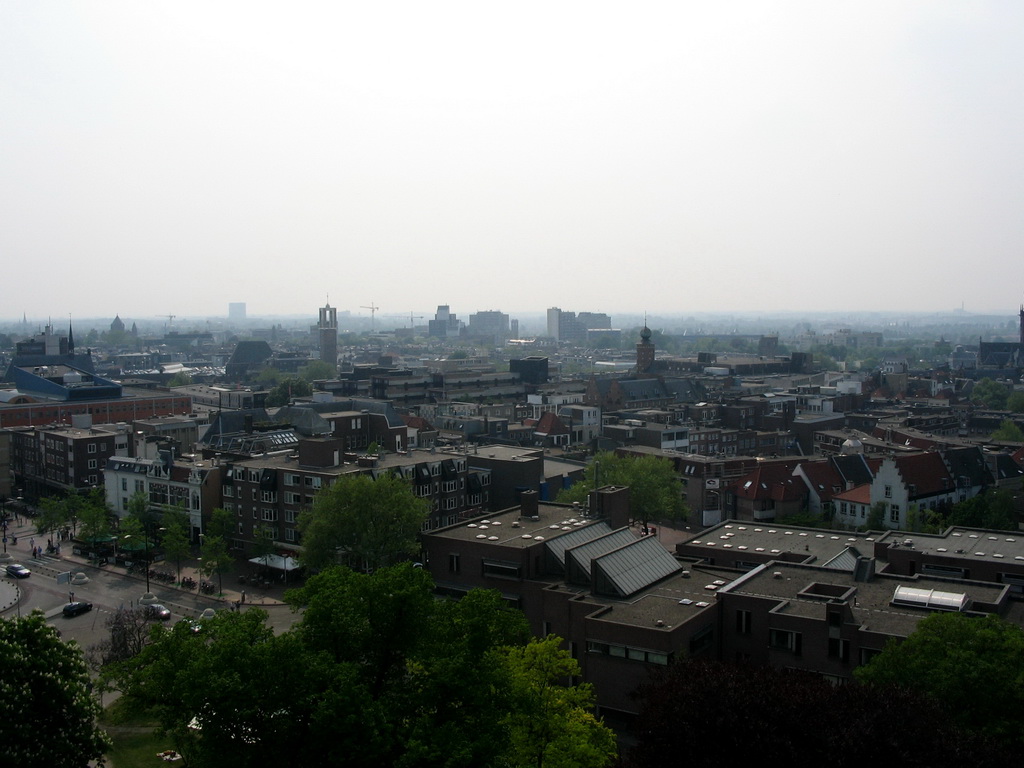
(328, 328)
(490, 325)
(445, 324)
(236, 310)
(567, 326)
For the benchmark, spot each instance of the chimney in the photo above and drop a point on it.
(612, 503)
(529, 504)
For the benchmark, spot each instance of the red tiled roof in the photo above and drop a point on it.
(859, 495)
(770, 481)
(926, 472)
(550, 424)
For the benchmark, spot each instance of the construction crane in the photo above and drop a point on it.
(412, 318)
(373, 313)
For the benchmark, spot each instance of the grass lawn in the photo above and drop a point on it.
(135, 742)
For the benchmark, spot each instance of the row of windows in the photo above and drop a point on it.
(629, 653)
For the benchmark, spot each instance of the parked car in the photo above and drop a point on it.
(157, 611)
(18, 571)
(77, 607)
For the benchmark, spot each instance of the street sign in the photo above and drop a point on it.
(64, 578)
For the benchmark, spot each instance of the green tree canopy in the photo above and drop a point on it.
(993, 510)
(317, 370)
(283, 392)
(1009, 432)
(973, 667)
(990, 393)
(655, 490)
(552, 725)
(370, 523)
(47, 710)
(376, 672)
(176, 537)
(1015, 402)
(215, 558)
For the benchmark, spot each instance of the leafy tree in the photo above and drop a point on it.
(655, 491)
(552, 724)
(138, 504)
(1009, 432)
(94, 519)
(376, 672)
(317, 370)
(990, 393)
(701, 707)
(181, 379)
(52, 515)
(993, 510)
(924, 520)
(132, 537)
(221, 523)
(371, 523)
(263, 542)
(176, 543)
(45, 684)
(1015, 402)
(876, 516)
(973, 667)
(216, 559)
(288, 388)
(269, 377)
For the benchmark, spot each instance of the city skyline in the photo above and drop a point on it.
(669, 158)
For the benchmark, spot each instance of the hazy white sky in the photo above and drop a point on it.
(170, 157)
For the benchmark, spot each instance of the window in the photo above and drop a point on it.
(888, 491)
(702, 640)
(92, 447)
(268, 497)
(269, 515)
(254, 475)
(838, 648)
(454, 566)
(290, 534)
(743, 620)
(894, 513)
(625, 652)
(92, 463)
(228, 491)
(785, 641)
(124, 483)
(501, 570)
(289, 515)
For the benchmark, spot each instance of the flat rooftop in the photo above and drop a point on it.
(811, 544)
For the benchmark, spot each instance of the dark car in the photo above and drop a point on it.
(77, 607)
(18, 571)
(157, 611)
